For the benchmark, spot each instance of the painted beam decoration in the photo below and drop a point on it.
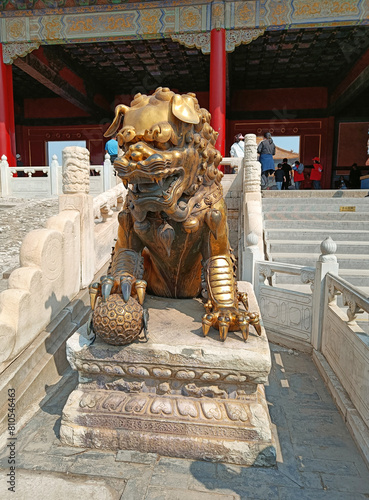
(91, 23)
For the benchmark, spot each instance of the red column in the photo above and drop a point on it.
(217, 95)
(7, 128)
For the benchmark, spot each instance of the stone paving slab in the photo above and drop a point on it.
(316, 458)
(18, 217)
(35, 484)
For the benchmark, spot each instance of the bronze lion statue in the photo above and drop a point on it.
(173, 233)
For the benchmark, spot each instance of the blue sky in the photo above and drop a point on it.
(288, 143)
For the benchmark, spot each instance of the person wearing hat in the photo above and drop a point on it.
(316, 173)
(20, 173)
(238, 147)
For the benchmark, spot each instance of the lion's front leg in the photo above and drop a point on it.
(126, 267)
(222, 306)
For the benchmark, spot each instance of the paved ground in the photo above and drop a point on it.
(17, 218)
(317, 459)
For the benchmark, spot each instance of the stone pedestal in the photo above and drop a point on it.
(179, 394)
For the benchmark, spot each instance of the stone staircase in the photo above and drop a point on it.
(296, 222)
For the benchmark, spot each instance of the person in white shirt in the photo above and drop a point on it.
(238, 147)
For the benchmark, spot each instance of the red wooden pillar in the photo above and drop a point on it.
(7, 128)
(217, 97)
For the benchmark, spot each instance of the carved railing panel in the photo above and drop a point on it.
(285, 312)
(344, 344)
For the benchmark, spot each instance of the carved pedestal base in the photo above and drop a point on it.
(179, 395)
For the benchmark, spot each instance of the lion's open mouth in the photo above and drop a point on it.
(158, 187)
(151, 178)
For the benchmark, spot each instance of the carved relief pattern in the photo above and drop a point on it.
(187, 412)
(265, 272)
(101, 367)
(234, 38)
(76, 170)
(190, 18)
(277, 12)
(349, 358)
(13, 50)
(308, 276)
(252, 168)
(307, 9)
(290, 311)
(357, 303)
(88, 22)
(199, 40)
(353, 308)
(245, 14)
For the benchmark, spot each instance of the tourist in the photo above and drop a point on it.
(266, 150)
(238, 147)
(20, 173)
(280, 176)
(354, 177)
(287, 169)
(111, 147)
(316, 173)
(342, 183)
(298, 173)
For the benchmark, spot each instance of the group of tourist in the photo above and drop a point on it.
(284, 173)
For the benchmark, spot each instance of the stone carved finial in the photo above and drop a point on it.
(328, 248)
(252, 168)
(76, 170)
(252, 239)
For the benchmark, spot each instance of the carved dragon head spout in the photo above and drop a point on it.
(166, 152)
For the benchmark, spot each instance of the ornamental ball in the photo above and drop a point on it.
(117, 322)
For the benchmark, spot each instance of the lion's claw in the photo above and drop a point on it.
(126, 281)
(141, 290)
(230, 319)
(207, 321)
(224, 322)
(244, 326)
(107, 283)
(93, 289)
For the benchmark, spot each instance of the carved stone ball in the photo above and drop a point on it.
(117, 322)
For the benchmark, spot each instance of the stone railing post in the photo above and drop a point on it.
(76, 186)
(54, 175)
(327, 263)
(251, 167)
(5, 177)
(252, 191)
(107, 168)
(251, 255)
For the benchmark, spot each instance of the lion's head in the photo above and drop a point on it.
(166, 151)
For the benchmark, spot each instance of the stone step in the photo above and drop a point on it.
(305, 259)
(324, 193)
(357, 277)
(343, 247)
(316, 224)
(319, 201)
(308, 207)
(315, 234)
(287, 216)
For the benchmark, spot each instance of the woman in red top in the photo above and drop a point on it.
(316, 173)
(298, 174)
